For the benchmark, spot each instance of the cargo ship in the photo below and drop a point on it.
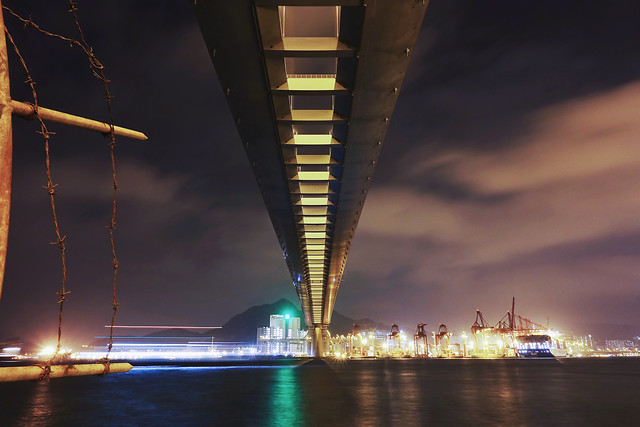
(534, 346)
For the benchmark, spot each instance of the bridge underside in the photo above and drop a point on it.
(312, 85)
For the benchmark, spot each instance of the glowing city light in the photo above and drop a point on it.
(48, 350)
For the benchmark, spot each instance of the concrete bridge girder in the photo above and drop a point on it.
(312, 85)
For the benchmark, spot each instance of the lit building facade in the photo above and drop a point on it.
(283, 336)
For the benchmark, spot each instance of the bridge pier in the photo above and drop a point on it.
(318, 339)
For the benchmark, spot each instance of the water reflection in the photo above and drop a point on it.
(492, 391)
(39, 407)
(449, 392)
(376, 392)
(407, 396)
(327, 398)
(285, 406)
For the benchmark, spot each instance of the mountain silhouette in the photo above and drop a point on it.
(243, 326)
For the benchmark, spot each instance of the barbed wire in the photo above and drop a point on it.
(50, 187)
(29, 23)
(97, 70)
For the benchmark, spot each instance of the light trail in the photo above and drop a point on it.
(149, 338)
(161, 327)
(204, 344)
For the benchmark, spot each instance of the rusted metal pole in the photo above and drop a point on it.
(5, 149)
(28, 111)
(26, 373)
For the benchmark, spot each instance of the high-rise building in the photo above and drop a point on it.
(282, 336)
(277, 323)
(293, 328)
(263, 333)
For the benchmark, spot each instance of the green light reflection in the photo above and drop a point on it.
(286, 402)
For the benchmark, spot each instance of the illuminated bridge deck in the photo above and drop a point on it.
(312, 86)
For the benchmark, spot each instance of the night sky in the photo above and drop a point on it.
(511, 168)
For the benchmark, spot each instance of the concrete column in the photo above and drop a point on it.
(318, 339)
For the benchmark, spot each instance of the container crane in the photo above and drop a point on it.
(420, 341)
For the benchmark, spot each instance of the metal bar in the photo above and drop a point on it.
(28, 111)
(5, 149)
(308, 3)
(26, 373)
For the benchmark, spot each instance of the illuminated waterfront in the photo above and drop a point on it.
(283, 337)
(367, 392)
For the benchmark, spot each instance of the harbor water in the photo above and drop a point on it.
(387, 392)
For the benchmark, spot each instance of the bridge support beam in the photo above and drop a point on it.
(318, 339)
